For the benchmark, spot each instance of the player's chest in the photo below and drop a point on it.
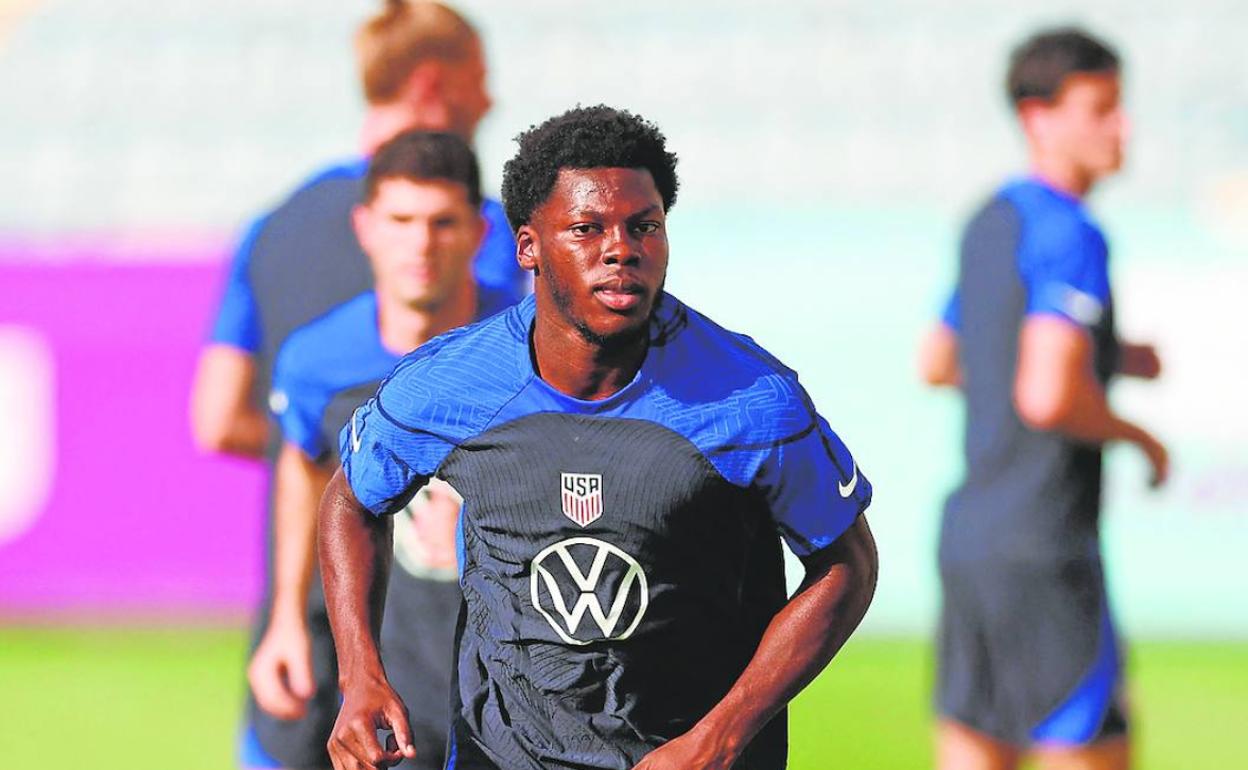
(631, 483)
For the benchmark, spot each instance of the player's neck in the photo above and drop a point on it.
(582, 369)
(383, 122)
(404, 328)
(1062, 174)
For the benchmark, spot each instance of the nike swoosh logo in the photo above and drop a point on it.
(848, 489)
(355, 434)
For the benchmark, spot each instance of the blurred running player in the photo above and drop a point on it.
(626, 465)
(1029, 658)
(421, 66)
(420, 225)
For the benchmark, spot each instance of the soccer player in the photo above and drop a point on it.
(421, 66)
(626, 466)
(1029, 658)
(420, 225)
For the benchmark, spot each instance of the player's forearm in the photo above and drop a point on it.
(1135, 360)
(1090, 418)
(800, 640)
(355, 551)
(298, 486)
(248, 435)
(938, 357)
(223, 416)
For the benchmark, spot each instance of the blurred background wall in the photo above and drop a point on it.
(829, 151)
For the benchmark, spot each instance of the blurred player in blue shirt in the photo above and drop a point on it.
(420, 225)
(627, 468)
(1029, 658)
(421, 66)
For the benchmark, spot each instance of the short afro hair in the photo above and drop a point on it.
(584, 137)
(1041, 64)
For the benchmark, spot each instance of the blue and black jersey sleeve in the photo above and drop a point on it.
(238, 318)
(298, 404)
(397, 440)
(813, 486)
(385, 462)
(1064, 268)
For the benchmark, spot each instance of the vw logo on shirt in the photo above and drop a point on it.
(589, 590)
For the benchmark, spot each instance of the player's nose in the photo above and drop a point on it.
(621, 247)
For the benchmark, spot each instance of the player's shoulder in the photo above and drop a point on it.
(337, 181)
(458, 381)
(726, 375)
(350, 169)
(1051, 217)
(313, 350)
(332, 185)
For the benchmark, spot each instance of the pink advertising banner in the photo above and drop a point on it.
(105, 505)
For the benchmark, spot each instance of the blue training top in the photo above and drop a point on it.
(302, 258)
(332, 357)
(1028, 495)
(619, 558)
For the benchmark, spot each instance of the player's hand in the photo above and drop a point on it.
(690, 751)
(367, 707)
(1139, 361)
(1158, 458)
(280, 672)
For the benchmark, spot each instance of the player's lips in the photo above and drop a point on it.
(619, 294)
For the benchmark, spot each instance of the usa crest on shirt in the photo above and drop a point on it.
(581, 496)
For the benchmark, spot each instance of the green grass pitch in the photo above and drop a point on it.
(141, 698)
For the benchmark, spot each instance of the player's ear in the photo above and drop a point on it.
(359, 222)
(1032, 116)
(527, 248)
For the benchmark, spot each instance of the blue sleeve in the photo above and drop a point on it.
(297, 404)
(951, 316)
(495, 264)
(1065, 271)
(386, 463)
(238, 318)
(814, 488)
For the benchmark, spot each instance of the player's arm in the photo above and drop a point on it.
(355, 551)
(1055, 389)
(938, 350)
(224, 416)
(938, 357)
(799, 642)
(1138, 360)
(280, 672)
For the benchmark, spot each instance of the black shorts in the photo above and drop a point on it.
(1027, 654)
(416, 647)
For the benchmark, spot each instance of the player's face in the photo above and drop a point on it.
(598, 246)
(466, 94)
(420, 237)
(1086, 124)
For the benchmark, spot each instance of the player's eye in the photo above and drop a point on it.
(649, 227)
(583, 228)
(442, 223)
